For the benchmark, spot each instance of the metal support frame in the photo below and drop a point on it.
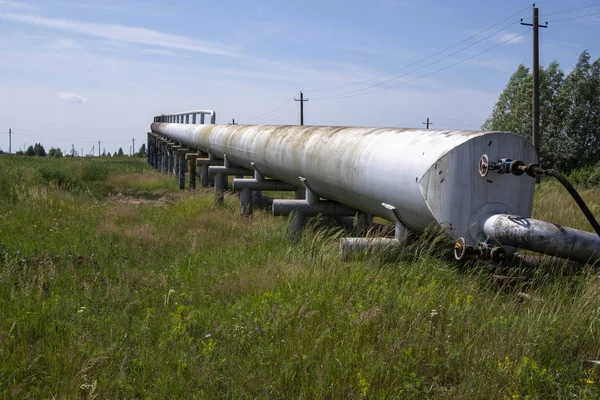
(312, 205)
(221, 173)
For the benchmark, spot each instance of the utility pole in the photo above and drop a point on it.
(133, 148)
(98, 148)
(9, 140)
(72, 150)
(301, 100)
(427, 123)
(232, 122)
(81, 154)
(536, 80)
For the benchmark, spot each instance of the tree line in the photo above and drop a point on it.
(37, 150)
(569, 112)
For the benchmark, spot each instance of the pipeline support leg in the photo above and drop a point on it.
(297, 224)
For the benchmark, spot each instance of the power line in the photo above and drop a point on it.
(433, 72)
(579, 16)
(275, 110)
(420, 68)
(281, 112)
(571, 9)
(422, 59)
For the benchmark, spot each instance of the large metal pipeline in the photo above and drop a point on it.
(413, 177)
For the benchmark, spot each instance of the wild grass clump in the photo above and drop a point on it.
(127, 288)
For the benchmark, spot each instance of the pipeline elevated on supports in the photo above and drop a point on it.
(413, 177)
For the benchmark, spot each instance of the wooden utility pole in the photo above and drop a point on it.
(9, 140)
(301, 100)
(427, 123)
(535, 131)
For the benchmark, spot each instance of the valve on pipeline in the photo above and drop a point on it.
(483, 250)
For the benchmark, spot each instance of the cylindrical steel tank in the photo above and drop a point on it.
(419, 177)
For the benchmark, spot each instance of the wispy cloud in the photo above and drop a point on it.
(158, 52)
(72, 98)
(130, 34)
(16, 5)
(510, 38)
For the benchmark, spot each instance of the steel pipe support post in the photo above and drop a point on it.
(191, 157)
(204, 162)
(182, 167)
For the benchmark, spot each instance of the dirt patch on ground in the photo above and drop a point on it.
(121, 198)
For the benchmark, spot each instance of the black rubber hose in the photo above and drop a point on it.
(584, 208)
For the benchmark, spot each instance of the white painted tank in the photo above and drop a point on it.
(429, 176)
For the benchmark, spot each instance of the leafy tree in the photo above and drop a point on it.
(30, 151)
(55, 152)
(120, 153)
(20, 153)
(108, 154)
(39, 150)
(115, 154)
(142, 152)
(569, 112)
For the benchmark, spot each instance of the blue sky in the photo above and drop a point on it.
(79, 71)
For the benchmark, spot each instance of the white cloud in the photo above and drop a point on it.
(72, 98)
(510, 38)
(129, 34)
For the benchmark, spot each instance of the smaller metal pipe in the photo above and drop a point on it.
(359, 245)
(543, 237)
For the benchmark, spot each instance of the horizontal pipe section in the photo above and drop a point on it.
(326, 207)
(360, 245)
(214, 170)
(266, 184)
(543, 237)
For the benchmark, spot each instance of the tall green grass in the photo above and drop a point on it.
(115, 285)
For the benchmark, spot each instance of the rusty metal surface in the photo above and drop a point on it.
(429, 176)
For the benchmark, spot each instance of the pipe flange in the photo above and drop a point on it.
(460, 248)
(516, 168)
(498, 254)
(484, 165)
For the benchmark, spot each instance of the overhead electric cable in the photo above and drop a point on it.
(422, 59)
(430, 73)
(579, 16)
(418, 69)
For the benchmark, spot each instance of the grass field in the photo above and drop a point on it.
(113, 284)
